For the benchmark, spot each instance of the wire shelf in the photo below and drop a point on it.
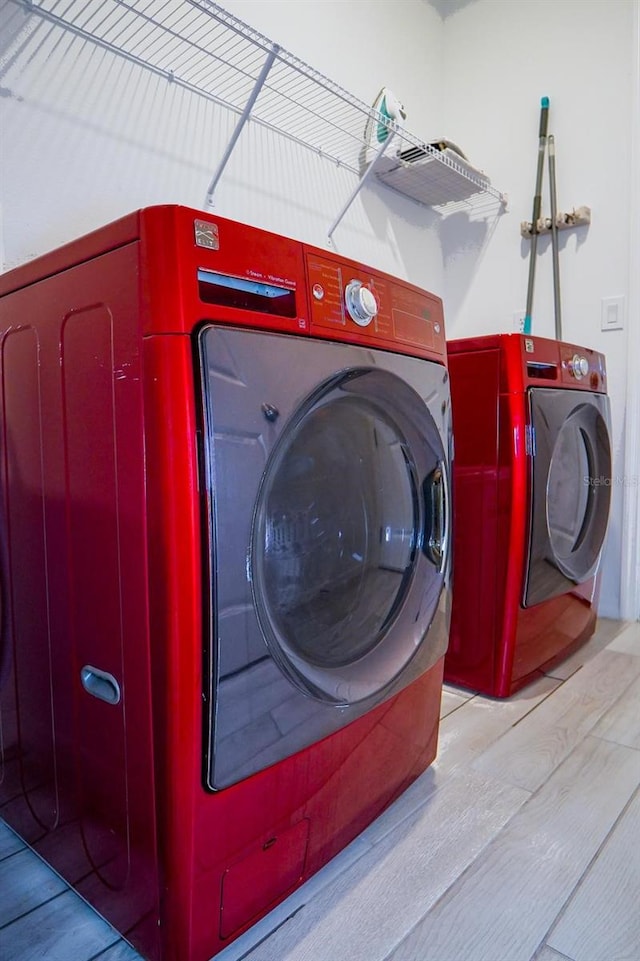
(199, 46)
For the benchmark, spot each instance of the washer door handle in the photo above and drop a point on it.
(436, 499)
(100, 684)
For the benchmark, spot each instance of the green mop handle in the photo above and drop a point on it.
(537, 204)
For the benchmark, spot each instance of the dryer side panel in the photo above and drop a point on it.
(476, 488)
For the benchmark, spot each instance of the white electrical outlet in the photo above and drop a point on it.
(612, 313)
(518, 321)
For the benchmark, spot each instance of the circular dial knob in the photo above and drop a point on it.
(579, 366)
(361, 305)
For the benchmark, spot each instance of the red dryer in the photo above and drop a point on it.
(225, 564)
(532, 485)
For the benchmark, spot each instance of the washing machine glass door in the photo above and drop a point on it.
(350, 519)
(571, 489)
(326, 479)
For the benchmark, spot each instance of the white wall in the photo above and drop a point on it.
(88, 136)
(501, 58)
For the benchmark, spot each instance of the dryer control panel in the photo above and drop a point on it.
(582, 367)
(545, 362)
(527, 361)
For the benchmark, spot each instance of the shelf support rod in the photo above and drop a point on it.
(242, 119)
(361, 182)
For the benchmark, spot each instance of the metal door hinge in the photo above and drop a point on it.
(530, 440)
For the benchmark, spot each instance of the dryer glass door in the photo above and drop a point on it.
(326, 475)
(571, 490)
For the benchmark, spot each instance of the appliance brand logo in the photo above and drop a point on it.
(206, 234)
(528, 345)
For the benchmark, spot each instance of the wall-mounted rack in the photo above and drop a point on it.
(199, 46)
(578, 217)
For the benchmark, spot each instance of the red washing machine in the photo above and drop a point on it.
(225, 564)
(532, 485)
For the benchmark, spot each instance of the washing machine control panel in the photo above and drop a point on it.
(360, 302)
(354, 303)
(579, 366)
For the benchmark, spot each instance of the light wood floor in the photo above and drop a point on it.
(521, 842)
